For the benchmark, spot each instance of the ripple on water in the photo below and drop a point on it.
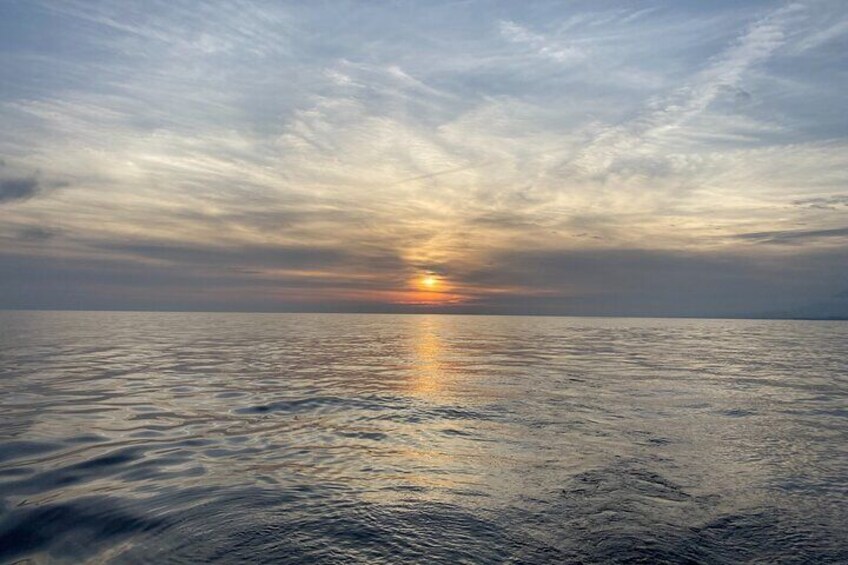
(133, 437)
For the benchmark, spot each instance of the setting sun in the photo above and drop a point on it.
(429, 282)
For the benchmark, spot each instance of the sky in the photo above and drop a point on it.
(657, 158)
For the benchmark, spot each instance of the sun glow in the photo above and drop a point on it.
(432, 289)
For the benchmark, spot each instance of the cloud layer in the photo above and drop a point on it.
(586, 158)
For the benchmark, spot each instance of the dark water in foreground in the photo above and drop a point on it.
(133, 437)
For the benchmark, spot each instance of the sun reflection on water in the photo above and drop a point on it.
(430, 369)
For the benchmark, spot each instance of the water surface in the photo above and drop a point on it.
(152, 437)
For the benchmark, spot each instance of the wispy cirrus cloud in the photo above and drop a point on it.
(643, 136)
(557, 50)
(352, 148)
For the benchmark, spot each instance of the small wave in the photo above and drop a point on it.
(77, 528)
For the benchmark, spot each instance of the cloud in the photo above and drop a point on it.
(268, 256)
(18, 189)
(555, 50)
(640, 282)
(794, 236)
(642, 136)
(825, 34)
(37, 234)
(335, 152)
(824, 202)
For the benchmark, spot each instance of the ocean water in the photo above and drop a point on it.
(177, 438)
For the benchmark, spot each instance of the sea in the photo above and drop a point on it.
(339, 438)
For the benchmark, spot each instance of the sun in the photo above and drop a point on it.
(430, 282)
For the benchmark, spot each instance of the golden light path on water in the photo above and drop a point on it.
(429, 350)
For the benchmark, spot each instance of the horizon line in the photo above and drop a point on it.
(492, 314)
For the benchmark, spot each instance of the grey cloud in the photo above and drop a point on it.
(738, 95)
(37, 233)
(505, 220)
(247, 259)
(641, 282)
(18, 189)
(792, 236)
(823, 203)
(264, 256)
(50, 282)
(44, 282)
(570, 282)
